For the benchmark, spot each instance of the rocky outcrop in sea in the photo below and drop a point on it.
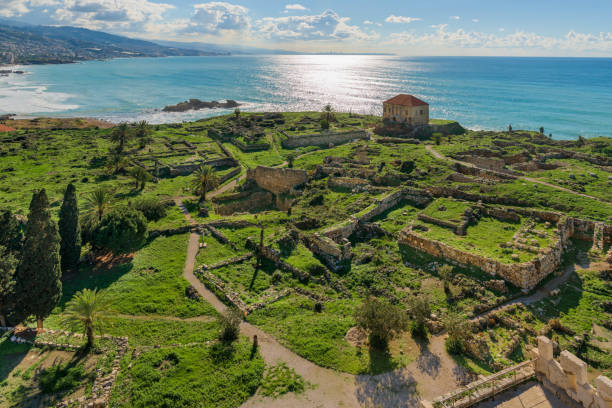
(196, 104)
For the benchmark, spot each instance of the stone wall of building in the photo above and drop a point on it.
(323, 139)
(277, 180)
(525, 275)
(567, 377)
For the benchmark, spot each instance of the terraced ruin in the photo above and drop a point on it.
(307, 223)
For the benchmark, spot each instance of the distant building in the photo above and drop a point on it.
(4, 128)
(406, 109)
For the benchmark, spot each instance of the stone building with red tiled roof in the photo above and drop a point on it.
(406, 109)
(4, 128)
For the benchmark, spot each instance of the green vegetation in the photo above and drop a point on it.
(280, 380)
(87, 309)
(69, 230)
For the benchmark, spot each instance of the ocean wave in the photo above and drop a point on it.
(18, 95)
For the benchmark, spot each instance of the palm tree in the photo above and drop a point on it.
(204, 178)
(120, 135)
(140, 175)
(116, 163)
(142, 133)
(328, 113)
(99, 201)
(88, 309)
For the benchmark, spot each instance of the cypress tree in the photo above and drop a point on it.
(70, 230)
(8, 263)
(38, 284)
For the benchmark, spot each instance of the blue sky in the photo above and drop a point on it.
(404, 27)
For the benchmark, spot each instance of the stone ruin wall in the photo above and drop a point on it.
(323, 139)
(525, 275)
(277, 180)
(567, 377)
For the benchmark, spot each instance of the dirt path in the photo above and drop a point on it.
(434, 370)
(440, 156)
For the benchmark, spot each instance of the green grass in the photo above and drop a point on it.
(280, 380)
(151, 284)
(218, 377)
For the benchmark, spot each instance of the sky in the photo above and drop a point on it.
(578, 28)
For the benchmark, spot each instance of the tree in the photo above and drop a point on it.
(421, 311)
(328, 113)
(290, 159)
(8, 264)
(98, 202)
(324, 124)
(38, 284)
(11, 242)
(580, 142)
(143, 130)
(121, 230)
(121, 134)
(88, 310)
(69, 229)
(230, 321)
(437, 138)
(445, 272)
(237, 113)
(140, 175)
(116, 163)
(204, 178)
(459, 331)
(383, 320)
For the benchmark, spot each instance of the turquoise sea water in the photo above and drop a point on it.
(567, 96)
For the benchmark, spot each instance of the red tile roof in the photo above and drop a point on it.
(406, 100)
(4, 128)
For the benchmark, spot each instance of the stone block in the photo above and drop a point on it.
(604, 387)
(599, 402)
(574, 365)
(546, 348)
(585, 393)
(556, 375)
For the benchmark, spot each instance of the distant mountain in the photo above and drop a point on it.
(234, 49)
(28, 44)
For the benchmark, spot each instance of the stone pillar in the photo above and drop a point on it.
(545, 354)
(576, 368)
(603, 396)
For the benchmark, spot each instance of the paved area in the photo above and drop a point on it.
(529, 395)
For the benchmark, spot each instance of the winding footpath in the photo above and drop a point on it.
(440, 156)
(432, 373)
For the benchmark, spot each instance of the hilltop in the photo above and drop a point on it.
(28, 44)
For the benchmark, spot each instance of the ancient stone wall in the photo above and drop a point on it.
(525, 275)
(323, 139)
(567, 377)
(277, 180)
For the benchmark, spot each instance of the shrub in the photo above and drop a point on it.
(459, 332)
(383, 320)
(324, 124)
(61, 377)
(123, 229)
(230, 321)
(151, 208)
(421, 311)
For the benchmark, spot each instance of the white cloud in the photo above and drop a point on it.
(325, 26)
(475, 20)
(295, 7)
(401, 19)
(455, 18)
(443, 39)
(12, 8)
(104, 14)
(368, 22)
(502, 29)
(215, 17)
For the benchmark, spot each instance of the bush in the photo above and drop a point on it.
(324, 124)
(151, 208)
(61, 378)
(383, 320)
(230, 324)
(123, 229)
(421, 311)
(459, 332)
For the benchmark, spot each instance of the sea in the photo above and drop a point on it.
(567, 96)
